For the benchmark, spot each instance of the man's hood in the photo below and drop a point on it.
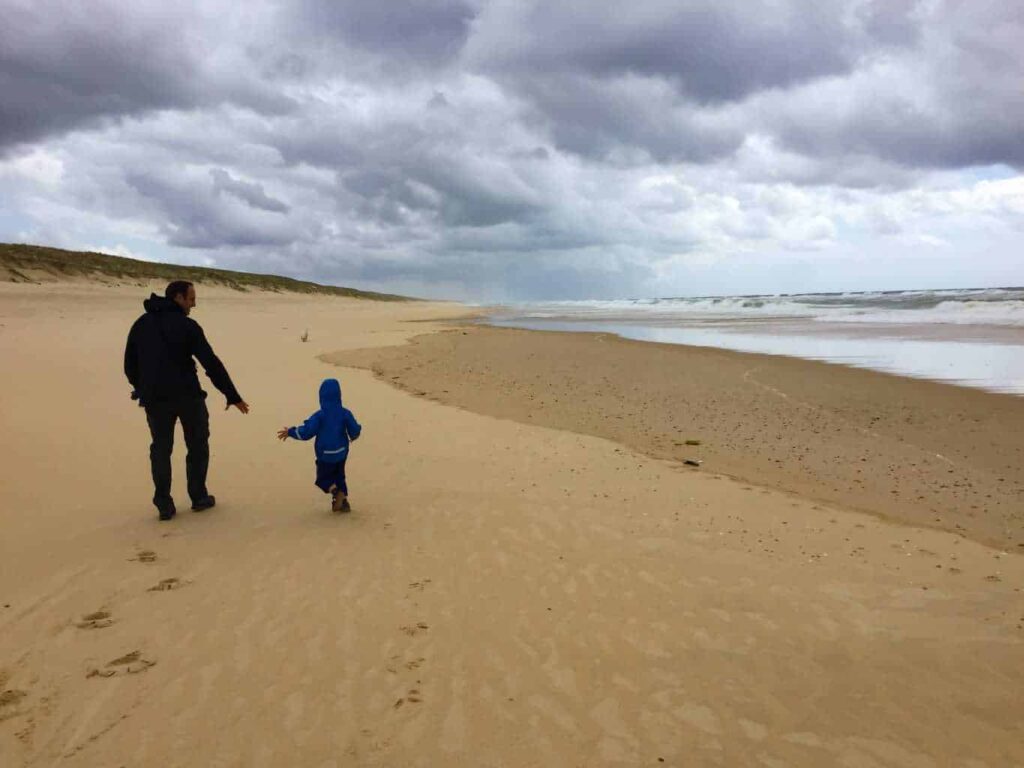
(330, 394)
(160, 304)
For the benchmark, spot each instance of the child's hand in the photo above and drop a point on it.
(282, 434)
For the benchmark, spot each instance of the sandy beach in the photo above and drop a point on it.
(529, 577)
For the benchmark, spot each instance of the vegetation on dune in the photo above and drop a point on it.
(34, 263)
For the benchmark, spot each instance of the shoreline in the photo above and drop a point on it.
(913, 451)
(974, 356)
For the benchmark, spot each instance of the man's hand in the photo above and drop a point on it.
(240, 405)
(282, 434)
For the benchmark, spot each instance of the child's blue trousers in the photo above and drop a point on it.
(331, 473)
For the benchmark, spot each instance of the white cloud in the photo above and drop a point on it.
(37, 167)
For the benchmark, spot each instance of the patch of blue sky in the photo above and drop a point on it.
(996, 172)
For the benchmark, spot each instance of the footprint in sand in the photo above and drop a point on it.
(413, 697)
(394, 662)
(372, 744)
(144, 556)
(129, 664)
(96, 620)
(420, 585)
(413, 630)
(165, 585)
(8, 699)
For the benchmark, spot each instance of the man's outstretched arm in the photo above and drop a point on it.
(215, 369)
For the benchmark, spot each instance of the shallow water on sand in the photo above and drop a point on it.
(984, 357)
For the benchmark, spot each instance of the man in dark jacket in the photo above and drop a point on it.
(158, 363)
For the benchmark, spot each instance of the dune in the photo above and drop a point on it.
(502, 594)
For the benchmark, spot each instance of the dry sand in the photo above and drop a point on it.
(502, 594)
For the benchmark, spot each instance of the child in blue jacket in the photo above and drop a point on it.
(332, 426)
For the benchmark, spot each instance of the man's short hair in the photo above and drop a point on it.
(177, 288)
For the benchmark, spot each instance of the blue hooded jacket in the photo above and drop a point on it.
(332, 426)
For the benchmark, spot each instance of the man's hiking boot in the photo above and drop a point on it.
(202, 504)
(167, 511)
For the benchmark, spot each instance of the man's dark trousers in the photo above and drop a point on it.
(195, 422)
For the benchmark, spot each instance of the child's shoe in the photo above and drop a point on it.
(339, 503)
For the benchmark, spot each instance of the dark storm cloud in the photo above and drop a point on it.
(417, 167)
(595, 118)
(890, 22)
(67, 65)
(956, 103)
(598, 80)
(896, 132)
(910, 82)
(250, 192)
(427, 31)
(447, 192)
(192, 215)
(712, 50)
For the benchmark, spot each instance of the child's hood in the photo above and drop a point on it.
(330, 394)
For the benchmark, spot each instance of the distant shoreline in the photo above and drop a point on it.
(983, 356)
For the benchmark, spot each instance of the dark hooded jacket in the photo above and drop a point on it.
(158, 356)
(332, 426)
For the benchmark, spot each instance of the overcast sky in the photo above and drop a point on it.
(507, 149)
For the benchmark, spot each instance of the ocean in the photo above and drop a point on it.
(971, 337)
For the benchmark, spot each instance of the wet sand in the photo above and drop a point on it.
(910, 451)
